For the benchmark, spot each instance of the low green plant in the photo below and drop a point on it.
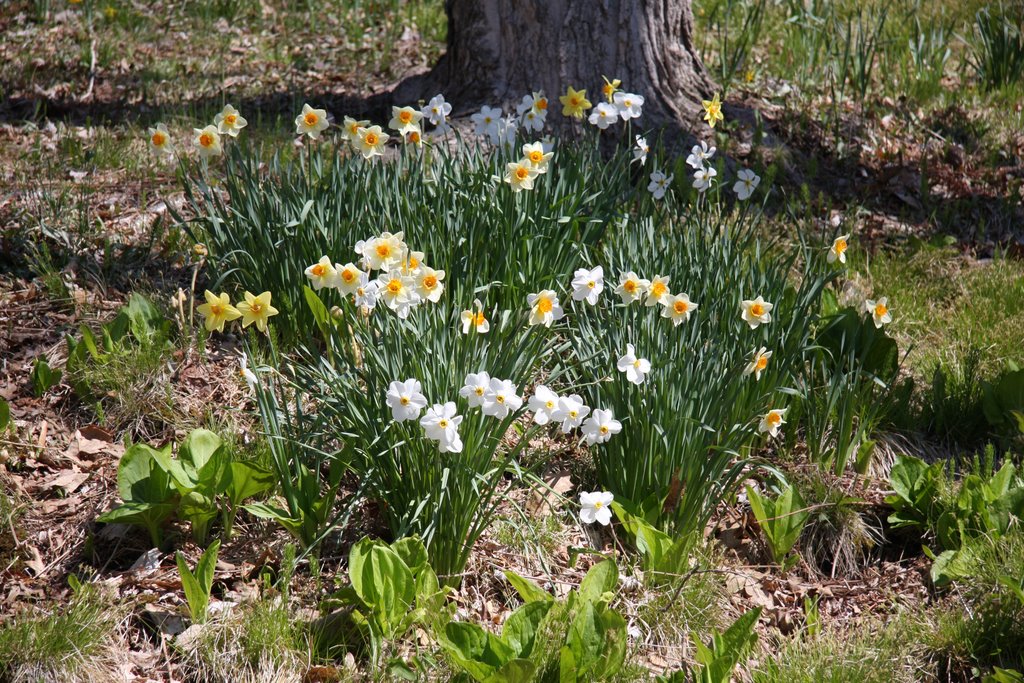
(717, 660)
(44, 377)
(1003, 404)
(146, 489)
(580, 639)
(781, 521)
(5, 415)
(663, 558)
(953, 407)
(997, 48)
(197, 585)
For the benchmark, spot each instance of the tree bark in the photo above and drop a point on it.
(500, 50)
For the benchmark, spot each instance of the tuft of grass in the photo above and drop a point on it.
(71, 642)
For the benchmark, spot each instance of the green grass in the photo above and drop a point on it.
(941, 301)
(66, 642)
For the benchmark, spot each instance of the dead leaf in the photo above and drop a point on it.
(68, 481)
(543, 501)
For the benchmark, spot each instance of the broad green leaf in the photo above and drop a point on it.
(44, 377)
(520, 629)
(601, 579)
(586, 637)
(5, 414)
(382, 581)
(514, 671)
(528, 590)
(412, 551)
(478, 652)
(248, 479)
(566, 666)
(141, 478)
(197, 586)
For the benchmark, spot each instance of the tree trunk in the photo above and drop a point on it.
(500, 50)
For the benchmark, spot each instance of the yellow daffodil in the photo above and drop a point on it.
(311, 122)
(405, 120)
(574, 103)
(520, 175)
(610, 88)
(350, 128)
(758, 363)
(218, 310)
(207, 142)
(713, 110)
(837, 252)
(229, 121)
(256, 309)
(370, 142)
(160, 140)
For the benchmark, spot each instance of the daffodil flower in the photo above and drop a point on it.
(207, 142)
(587, 285)
(405, 399)
(544, 308)
(520, 175)
(475, 388)
(322, 274)
(879, 311)
(428, 283)
(772, 422)
(533, 111)
(703, 178)
(659, 184)
(712, 110)
(501, 399)
(486, 121)
(370, 142)
(610, 88)
(571, 412)
(699, 155)
(366, 292)
(756, 312)
(399, 292)
(632, 287)
(248, 375)
(628, 105)
(160, 141)
(475, 319)
(604, 115)
(229, 121)
(837, 252)
(538, 158)
(657, 290)
(543, 403)
(596, 507)
(600, 427)
(384, 252)
(747, 183)
(311, 122)
(350, 129)
(677, 308)
(441, 424)
(437, 110)
(405, 120)
(635, 368)
(217, 310)
(758, 363)
(574, 103)
(348, 279)
(641, 149)
(256, 309)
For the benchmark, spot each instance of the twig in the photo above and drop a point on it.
(92, 70)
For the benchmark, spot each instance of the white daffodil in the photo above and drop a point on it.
(160, 141)
(475, 388)
(501, 398)
(441, 424)
(544, 308)
(384, 252)
(229, 121)
(604, 115)
(587, 285)
(406, 399)
(756, 312)
(879, 311)
(659, 184)
(703, 178)
(628, 105)
(399, 292)
(677, 308)
(322, 274)
(207, 142)
(700, 154)
(486, 121)
(437, 110)
(657, 291)
(632, 287)
(520, 175)
(370, 142)
(248, 375)
(366, 293)
(596, 506)
(570, 412)
(600, 427)
(405, 120)
(538, 158)
(772, 422)
(747, 183)
(428, 283)
(837, 252)
(475, 320)
(348, 279)
(543, 403)
(505, 133)
(758, 363)
(311, 122)
(636, 369)
(640, 150)
(350, 129)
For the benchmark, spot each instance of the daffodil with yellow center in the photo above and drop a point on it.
(350, 128)
(311, 122)
(207, 142)
(574, 103)
(837, 252)
(520, 175)
(348, 278)
(758, 363)
(405, 120)
(475, 321)
(538, 158)
(256, 309)
(229, 121)
(370, 142)
(217, 310)
(713, 110)
(160, 141)
(610, 88)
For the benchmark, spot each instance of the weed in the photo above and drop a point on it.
(997, 51)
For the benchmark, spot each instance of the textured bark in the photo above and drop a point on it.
(499, 50)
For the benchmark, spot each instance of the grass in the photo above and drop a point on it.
(72, 642)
